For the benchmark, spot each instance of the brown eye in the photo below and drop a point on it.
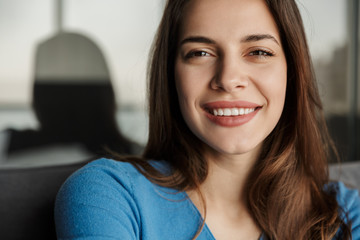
(197, 54)
(261, 53)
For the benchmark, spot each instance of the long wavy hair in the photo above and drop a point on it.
(285, 190)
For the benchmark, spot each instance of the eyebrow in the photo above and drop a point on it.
(248, 38)
(259, 37)
(197, 39)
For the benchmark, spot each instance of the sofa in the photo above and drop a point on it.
(28, 194)
(27, 200)
(348, 172)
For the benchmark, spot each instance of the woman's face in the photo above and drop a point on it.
(230, 73)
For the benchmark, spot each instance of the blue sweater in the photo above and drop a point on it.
(107, 199)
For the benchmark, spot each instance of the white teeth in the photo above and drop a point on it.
(232, 111)
(227, 112)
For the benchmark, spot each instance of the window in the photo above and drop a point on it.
(334, 51)
(124, 31)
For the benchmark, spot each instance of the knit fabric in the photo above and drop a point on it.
(108, 199)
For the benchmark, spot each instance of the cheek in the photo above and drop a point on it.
(281, 84)
(273, 84)
(190, 82)
(191, 85)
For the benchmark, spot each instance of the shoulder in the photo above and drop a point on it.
(107, 199)
(104, 175)
(349, 202)
(103, 199)
(104, 171)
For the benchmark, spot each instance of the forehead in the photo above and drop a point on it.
(227, 17)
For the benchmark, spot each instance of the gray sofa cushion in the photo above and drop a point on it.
(348, 172)
(27, 200)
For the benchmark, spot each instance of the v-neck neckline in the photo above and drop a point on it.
(206, 230)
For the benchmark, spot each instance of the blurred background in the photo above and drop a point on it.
(120, 33)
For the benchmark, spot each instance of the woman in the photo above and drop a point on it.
(237, 144)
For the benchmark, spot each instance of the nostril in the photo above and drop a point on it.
(229, 84)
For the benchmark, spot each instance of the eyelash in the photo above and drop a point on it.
(194, 54)
(261, 53)
(257, 53)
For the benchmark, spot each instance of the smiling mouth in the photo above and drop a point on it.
(229, 112)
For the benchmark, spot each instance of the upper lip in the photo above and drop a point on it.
(230, 104)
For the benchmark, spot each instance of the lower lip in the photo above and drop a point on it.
(232, 121)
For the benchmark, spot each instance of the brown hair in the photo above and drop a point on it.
(285, 188)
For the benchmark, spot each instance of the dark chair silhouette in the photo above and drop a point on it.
(27, 200)
(73, 100)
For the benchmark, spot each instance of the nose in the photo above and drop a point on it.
(231, 75)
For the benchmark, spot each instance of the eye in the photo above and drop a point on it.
(261, 53)
(193, 54)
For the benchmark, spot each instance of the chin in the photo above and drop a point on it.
(234, 150)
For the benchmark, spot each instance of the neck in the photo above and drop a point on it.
(224, 187)
(223, 190)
